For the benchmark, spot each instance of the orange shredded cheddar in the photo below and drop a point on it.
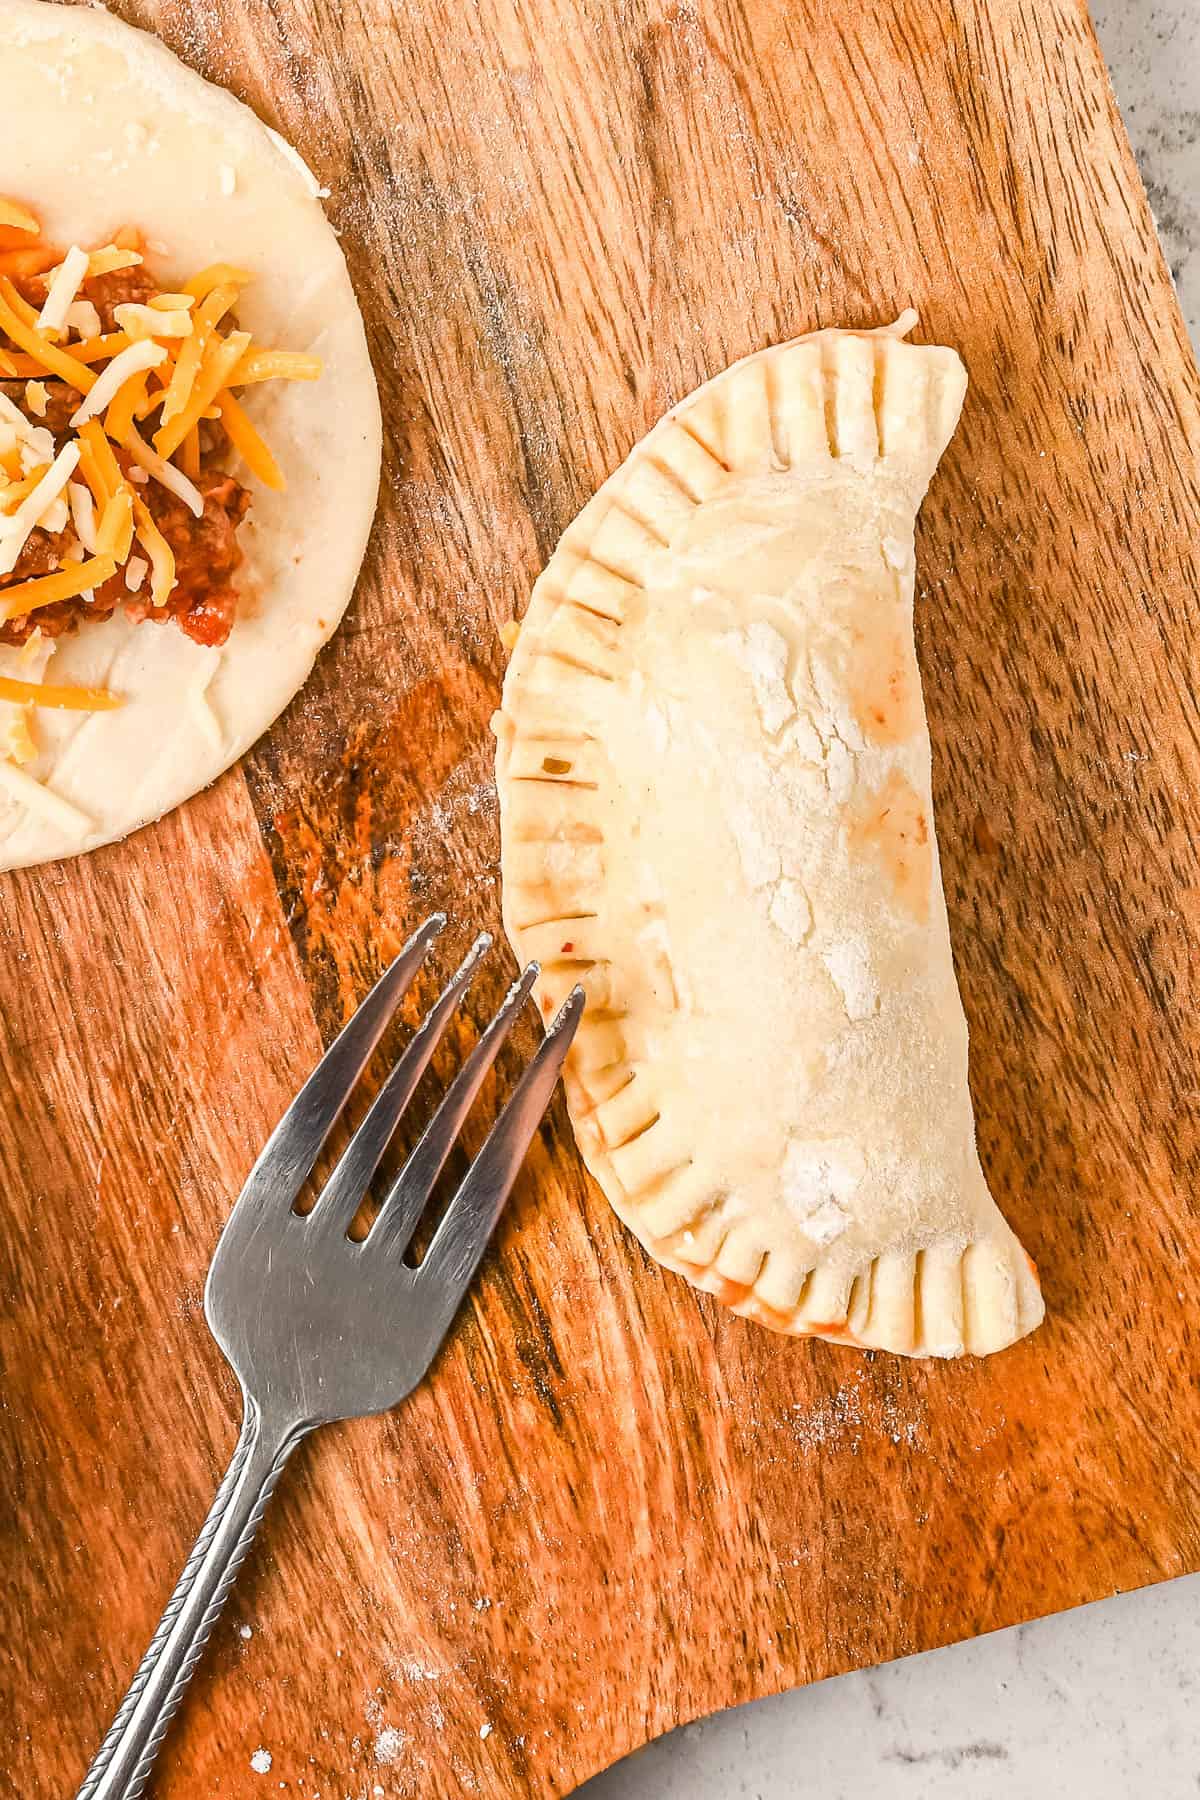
(128, 238)
(189, 454)
(191, 350)
(10, 462)
(25, 261)
(217, 365)
(114, 533)
(216, 275)
(247, 442)
(44, 590)
(162, 557)
(124, 407)
(95, 447)
(69, 699)
(23, 309)
(37, 345)
(18, 217)
(14, 495)
(97, 349)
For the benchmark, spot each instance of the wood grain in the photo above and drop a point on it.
(614, 1507)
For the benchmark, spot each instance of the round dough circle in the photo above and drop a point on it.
(105, 127)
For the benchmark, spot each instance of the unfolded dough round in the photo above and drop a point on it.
(104, 127)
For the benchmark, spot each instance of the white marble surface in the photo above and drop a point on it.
(1103, 1703)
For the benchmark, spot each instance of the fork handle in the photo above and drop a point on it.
(123, 1762)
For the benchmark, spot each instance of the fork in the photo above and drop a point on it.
(318, 1326)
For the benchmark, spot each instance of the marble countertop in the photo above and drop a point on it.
(1102, 1702)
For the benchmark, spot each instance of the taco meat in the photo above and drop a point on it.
(203, 601)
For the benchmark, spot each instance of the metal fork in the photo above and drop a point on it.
(318, 1326)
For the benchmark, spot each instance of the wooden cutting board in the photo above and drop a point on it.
(615, 1507)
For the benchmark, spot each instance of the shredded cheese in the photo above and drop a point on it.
(165, 473)
(12, 496)
(23, 309)
(217, 365)
(247, 442)
(168, 355)
(217, 275)
(18, 217)
(150, 321)
(189, 454)
(22, 745)
(115, 530)
(109, 258)
(162, 557)
(70, 699)
(271, 365)
(15, 528)
(124, 409)
(97, 463)
(212, 309)
(65, 284)
(23, 263)
(84, 320)
(38, 346)
(146, 355)
(44, 590)
(83, 514)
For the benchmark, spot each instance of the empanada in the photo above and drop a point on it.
(714, 775)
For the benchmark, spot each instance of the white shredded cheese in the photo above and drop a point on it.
(83, 514)
(64, 285)
(15, 527)
(108, 259)
(149, 321)
(84, 320)
(34, 441)
(136, 571)
(30, 665)
(165, 473)
(19, 738)
(130, 361)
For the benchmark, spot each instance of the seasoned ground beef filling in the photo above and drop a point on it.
(61, 402)
(203, 601)
(122, 288)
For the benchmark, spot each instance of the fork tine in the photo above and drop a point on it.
(412, 1187)
(342, 1194)
(462, 1236)
(291, 1150)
